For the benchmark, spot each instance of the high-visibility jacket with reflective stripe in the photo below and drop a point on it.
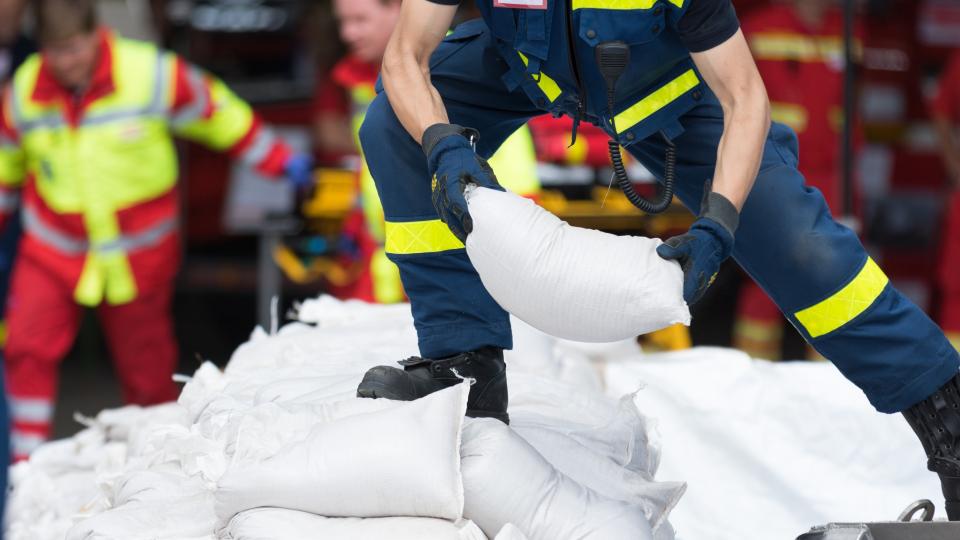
(658, 86)
(100, 203)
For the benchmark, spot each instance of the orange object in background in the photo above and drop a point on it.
(552, 137)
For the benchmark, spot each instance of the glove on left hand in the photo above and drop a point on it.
(453, 165)
(705, 246)
(299, 170)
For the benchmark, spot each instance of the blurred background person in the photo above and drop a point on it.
(341, 102)
(798, 47)
(15, 47)
(89, 123)
(342, 99)
(945, 110)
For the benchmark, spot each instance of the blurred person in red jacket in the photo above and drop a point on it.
(340, 105)
(798, 47)
(86, 139)
(945, 110)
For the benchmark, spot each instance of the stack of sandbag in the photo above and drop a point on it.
(277, 446)
(570, 282)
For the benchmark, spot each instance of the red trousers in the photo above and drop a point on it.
(949, 271)
(42, 322)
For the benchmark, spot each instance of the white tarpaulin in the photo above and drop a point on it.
(770, 449)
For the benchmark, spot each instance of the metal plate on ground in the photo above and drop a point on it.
(895, 530)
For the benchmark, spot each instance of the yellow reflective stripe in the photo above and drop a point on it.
(790, 114)
(229, 121)
(107, 276)
(781, 46)
(12, 166)
(121, 287)
(89, 289)
(516, 164)
(954, 338)
(546, 84)
(846, 304)
(387, 287)
(757, 330)
(620, 4)
(577, 152)
(411, 237)
(659, 99)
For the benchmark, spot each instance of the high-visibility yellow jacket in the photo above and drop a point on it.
(98, 170)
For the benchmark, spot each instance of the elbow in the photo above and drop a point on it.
(760, 103)
(391, 65)
(399, 60)
(765, 114)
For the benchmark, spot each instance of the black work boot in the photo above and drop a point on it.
(936, 420)
(421, 376)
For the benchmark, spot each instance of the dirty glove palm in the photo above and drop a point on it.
(454, 165)
(704, 247)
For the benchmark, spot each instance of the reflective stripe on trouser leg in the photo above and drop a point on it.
(31, 422)
(23, 443)
(42, 320)
(789, 243)
(451, 309)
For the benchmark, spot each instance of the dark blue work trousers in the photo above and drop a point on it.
(815, 269)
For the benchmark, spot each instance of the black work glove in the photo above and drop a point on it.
(705, 246)
(454, 165)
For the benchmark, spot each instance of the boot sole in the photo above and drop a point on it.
(371, 390)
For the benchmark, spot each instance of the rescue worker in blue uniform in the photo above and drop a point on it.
(689, 85)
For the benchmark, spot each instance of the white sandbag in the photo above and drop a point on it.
(570, 282)
(283, 524)
(180, 519)
(259, 432)
(402, 461)
(506, 480)
(510, 532)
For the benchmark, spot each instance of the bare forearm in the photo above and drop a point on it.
(730, 72)
(745, 128)
(415, 101)
(406, 65)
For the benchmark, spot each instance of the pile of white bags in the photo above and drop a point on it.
(276, 446)
(569, 282)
